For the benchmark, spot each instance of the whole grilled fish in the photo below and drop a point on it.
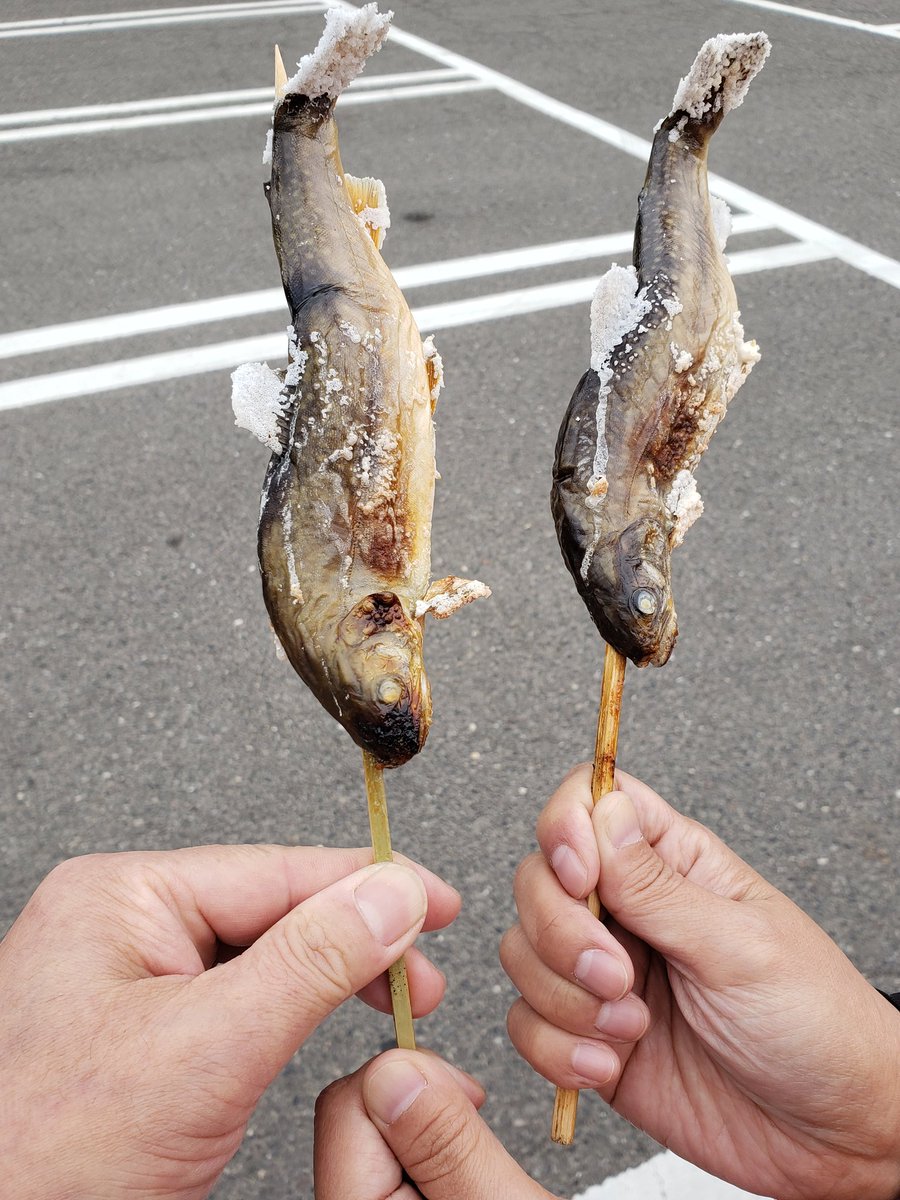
(345, 523)
(668, 353)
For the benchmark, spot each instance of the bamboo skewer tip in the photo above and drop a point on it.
(280, 74)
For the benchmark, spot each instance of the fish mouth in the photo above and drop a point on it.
(646, 645)
(392, 736)
(662, 650)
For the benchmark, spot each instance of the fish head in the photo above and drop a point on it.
(380, 680)
(630, 594)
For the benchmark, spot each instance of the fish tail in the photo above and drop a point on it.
(717, 82)
(350, 38)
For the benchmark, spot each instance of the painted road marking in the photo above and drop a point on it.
(837, 245)
(229, 112)
(49, 116)
(154, 17)
(177, 364)
(811, 14)
(247, 304)
(665, 1177)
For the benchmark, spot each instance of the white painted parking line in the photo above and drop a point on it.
(811, 14)
(143, 18)
(837, 245)
(48, 116)
(665, 1177)
(49, 338)
(192, 116)
(177, 364)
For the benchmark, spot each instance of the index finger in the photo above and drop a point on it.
(350, 1157)
(194, 898)
(241, 891)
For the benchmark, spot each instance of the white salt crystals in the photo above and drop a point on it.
(721, 215)
(267, 152)
(616, 309)
(682, 359)
(258, 403)
(721, 74)
(350, 37)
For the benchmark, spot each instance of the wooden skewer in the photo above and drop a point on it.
(603, 780)
(280, 75)
(381, 845)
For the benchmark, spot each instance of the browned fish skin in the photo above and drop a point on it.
(669, 377)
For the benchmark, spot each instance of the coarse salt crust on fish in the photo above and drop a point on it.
(259, 403)
(350, 37)
(721, 215)
(616, 308)
(721, 74)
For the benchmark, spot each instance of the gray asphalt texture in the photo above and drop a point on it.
(145, 705)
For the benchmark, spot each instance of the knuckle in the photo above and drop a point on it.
(550, 936)
(509, 948)
(330, 1098)
(307, 950)
(648, 880)
(442, 1148)
(518, 1023)
(524, 872)
(557, 1005)
(74, 871)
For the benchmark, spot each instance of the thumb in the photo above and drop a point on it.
(645, 887)
(436, 1134)
(273, 996)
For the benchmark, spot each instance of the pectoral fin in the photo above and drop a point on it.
(445, 596)
(434, 366)
(368, 200)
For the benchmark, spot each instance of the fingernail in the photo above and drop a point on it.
(602, 974)
(392, 1089)
(594, 1062)
(622, 827)
(570, 870)
(391, 901)
(622, 1019)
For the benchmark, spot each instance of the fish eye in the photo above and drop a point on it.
(645, 602)
(390, 691)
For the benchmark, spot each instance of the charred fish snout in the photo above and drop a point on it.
(385, 701)
(629, 595)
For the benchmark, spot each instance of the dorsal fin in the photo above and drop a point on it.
(368, 200)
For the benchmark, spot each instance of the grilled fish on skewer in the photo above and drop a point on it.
(345, 523)
(668, 353)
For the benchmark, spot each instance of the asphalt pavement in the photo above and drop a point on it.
(145, 704)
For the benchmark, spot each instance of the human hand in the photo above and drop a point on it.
(135, 1044)
(709, 1010)
(406, 1126)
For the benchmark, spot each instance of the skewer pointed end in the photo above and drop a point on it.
(280, 75)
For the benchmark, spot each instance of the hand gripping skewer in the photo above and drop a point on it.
(565, 1108)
